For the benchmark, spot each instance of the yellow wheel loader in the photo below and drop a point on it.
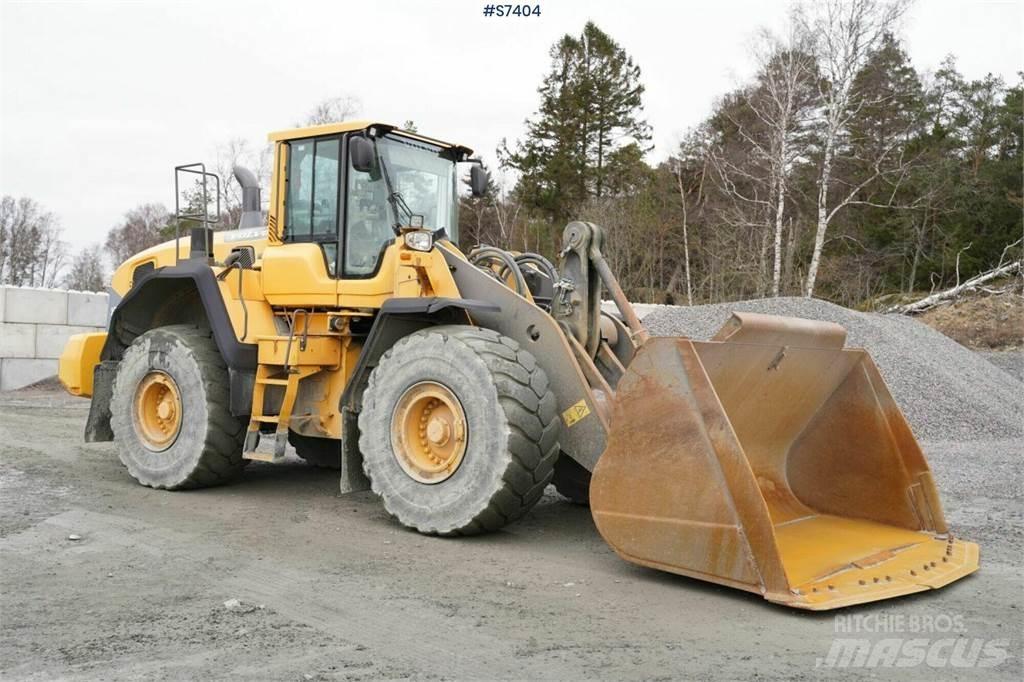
(459, 385)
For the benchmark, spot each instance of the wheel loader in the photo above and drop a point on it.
(458, 385)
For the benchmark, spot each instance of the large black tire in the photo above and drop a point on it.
(511, 425)
(318, 452)
(572, 481)
(208, 447)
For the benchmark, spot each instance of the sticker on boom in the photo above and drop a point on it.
(575, 413)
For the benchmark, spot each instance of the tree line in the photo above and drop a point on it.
(838, 170)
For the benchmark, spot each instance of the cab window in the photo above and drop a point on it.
(423, 179)
(311, 209)
(369, 224)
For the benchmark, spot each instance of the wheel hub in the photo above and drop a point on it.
(438, 431)
(157, 411)
(428, 432)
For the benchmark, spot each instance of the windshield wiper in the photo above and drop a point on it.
(394, 197)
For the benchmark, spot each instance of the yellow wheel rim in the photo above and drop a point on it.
(428, 432)
(157, 411)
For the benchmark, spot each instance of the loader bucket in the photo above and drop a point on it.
(773, 460)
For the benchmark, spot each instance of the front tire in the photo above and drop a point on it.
(169, 411)
(458, 430)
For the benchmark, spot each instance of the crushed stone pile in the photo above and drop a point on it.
(946, 390)
(1011, 361)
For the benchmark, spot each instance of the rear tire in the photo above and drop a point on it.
(319, 452)
(510, 430)
(206, 446)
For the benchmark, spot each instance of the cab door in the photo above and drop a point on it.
(301, 269)
(366, 263)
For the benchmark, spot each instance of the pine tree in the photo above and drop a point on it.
(591, 107)
(898, 204)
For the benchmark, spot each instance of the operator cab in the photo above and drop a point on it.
(351, 188)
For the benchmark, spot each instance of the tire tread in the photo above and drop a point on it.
(529, 407)
(221, 459)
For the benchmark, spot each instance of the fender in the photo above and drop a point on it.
(149, 300)
(400, 317)
(187, 292)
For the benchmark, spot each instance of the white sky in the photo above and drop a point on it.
(99, 100)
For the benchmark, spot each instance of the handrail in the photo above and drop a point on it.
(204, 217)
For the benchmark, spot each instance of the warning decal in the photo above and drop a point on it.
(575, 413)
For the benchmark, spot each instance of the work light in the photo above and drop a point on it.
(419, 240)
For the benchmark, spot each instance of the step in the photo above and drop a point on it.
(252, 439)
(270, 457)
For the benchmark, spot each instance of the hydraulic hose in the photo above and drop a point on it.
(482, 255)
(540, 262)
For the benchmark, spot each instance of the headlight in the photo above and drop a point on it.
(419, 240)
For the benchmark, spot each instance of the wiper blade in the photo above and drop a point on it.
(397, 202)
(394, 197)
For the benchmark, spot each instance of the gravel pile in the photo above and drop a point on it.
(947, 391)
(1010, 361)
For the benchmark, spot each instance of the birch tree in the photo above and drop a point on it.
(845, 33)
(783, 103)
(684, 191)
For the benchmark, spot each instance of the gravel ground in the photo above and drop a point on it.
(947, 391)
(276, 576)
(330, 588)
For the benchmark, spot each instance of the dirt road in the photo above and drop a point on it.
(331, 588)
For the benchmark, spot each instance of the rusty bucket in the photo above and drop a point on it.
(774, 460)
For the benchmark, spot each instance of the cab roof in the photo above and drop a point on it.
(350, 126)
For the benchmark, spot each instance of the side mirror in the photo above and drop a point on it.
(478, 179)
(360, 151)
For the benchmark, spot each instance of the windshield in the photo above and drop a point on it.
(425, 179)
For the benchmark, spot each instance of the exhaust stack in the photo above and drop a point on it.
(252, 215)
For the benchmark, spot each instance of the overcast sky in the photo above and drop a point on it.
(99, 100)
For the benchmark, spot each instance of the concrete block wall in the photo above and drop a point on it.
(34, 326)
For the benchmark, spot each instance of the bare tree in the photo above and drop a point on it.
(507, 207)
(742, 177)
(686, 238)
(144, 226)
(845, 33)
(694, 149)
(239, 152)
(52, 253)
(31, 250)
(496, 219)
(332, 110)
(87, 271)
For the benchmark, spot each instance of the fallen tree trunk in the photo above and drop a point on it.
(951, 293)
